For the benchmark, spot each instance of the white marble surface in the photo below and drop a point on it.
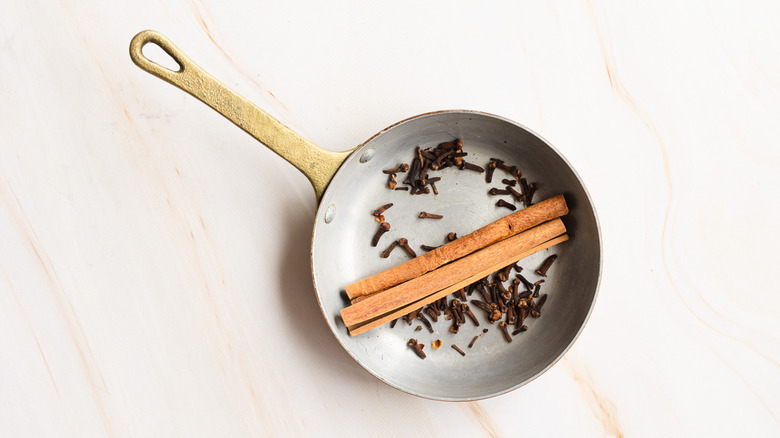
(155, 258)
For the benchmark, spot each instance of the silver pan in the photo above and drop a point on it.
(350, 185)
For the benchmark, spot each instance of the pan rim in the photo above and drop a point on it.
(321, 208)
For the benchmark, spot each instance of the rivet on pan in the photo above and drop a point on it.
(330, 213)
(367, 155)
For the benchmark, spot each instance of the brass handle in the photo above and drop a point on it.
(319, 165)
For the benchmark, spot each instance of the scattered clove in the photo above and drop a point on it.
(418, 348)
(546, 265)
(520, 330)
(504, 331)
(386, 253)
(494, 191)
(456, 348)
(426, 215)
(425, 321)
(404, 243)
(471, 344)
(383, 228)
(403, 167)
(382, 209)
(502, 203)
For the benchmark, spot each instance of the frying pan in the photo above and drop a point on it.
(350, 185)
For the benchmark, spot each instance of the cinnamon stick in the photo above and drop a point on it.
(446, 291)
(481, 262)
(501, 229)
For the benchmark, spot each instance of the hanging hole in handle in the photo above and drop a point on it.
(161, 57)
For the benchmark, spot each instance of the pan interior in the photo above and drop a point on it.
(341, 254)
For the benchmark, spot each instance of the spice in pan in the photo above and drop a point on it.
(442, 156)
(501, 305)
(456, 348)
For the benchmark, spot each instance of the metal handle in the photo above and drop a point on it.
(319, 165)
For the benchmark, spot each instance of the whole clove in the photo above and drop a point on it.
(489, 174)
(541, 302)
(530, 195)
(386, 253)
(503, 274)
(502, 203)
(467, 311)
(383, 228)
(404, 243)
(515, 194)
(520, 330)
(391, 182)
(504, 331)
(403, 167)
(418, 348)
(546, 265)
(409, 317)
(426, 215)
(424, 320)
(495, 191)
(382, 209)
(432, 314)
(528, 285)
(474, 167)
